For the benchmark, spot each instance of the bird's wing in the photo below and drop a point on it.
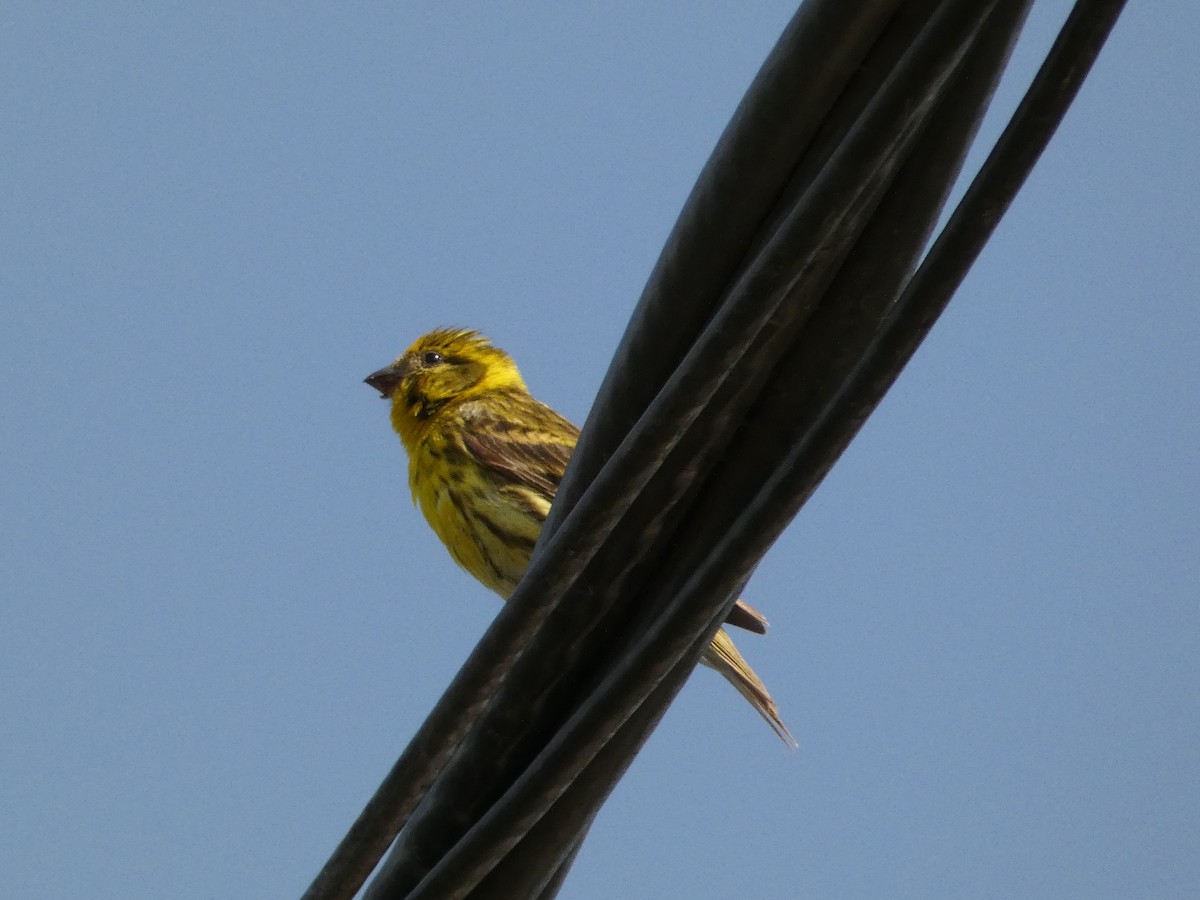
(529, 447)
(743, 615)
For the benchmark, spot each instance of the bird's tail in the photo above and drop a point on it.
(723, 656)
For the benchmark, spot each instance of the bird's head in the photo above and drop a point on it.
(444, 367)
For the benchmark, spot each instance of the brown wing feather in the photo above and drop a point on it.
(529, 447)
(743, 615)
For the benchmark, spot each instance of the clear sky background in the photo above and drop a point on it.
(223, 619)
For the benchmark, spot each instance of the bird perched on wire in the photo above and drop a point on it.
(484, 462)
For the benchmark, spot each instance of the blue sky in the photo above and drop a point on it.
(224, 619)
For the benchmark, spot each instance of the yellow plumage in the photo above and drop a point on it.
(484, 462)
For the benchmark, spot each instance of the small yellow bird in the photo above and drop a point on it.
(484, 462)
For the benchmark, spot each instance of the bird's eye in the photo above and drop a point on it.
(432, 358)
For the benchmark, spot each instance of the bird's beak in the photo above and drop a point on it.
(387, 378)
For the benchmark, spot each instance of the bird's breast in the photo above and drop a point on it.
(482, 522)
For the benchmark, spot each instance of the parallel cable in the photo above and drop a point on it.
(503, 779)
